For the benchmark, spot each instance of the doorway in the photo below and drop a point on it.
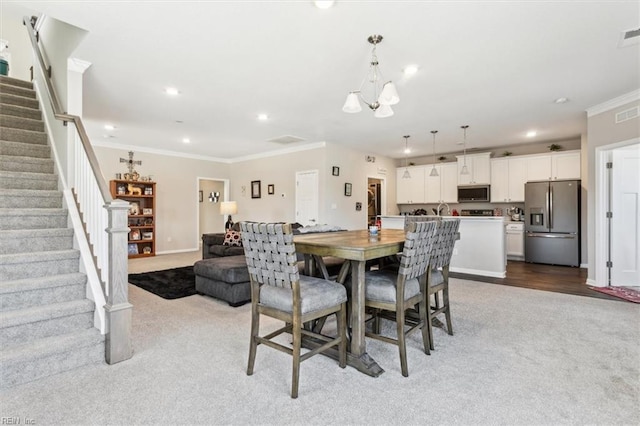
(375, 199)
(307, 194)
(210, 193)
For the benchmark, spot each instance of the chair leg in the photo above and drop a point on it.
(376, 321)
(342, 332)
(297, 343)
(447, 312)
(401, 341)
(422, 310)
(429, 324)
(253, 345)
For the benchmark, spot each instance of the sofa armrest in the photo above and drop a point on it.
(209, 240)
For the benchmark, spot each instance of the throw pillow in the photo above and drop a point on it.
(232, 238)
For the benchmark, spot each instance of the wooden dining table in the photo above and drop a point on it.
(356, 247)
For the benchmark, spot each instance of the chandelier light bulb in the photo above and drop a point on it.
(434, 171)
(352, 104)
(406, 174)
(383, 111)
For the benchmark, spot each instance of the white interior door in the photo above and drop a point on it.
(625, 223)
(307, 194)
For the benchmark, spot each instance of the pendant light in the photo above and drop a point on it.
(465, 169)
(434, 171)
(406, 174)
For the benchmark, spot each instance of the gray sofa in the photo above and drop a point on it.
(212, 247)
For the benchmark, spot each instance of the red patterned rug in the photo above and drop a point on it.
(625, 293)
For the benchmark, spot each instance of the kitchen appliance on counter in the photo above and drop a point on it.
(552, 222)
(476, 212)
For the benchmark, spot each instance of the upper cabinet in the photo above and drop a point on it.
(479, 166)
(508, 176)
(444, 187)
(555, 166)
(410, 190)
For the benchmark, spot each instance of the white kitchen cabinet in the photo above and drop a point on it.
(444, 187)
(515, 240)
(555, 166)
(410, 190)
(479, 166)
(565, 165)
(508, 176)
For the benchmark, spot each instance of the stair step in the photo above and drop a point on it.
(15, 82)
(30, 198)
(14, 122)
(25, 293)
(26, 180)
(49, 356)
(11, 99)
(17, 90)
(21, 149)
(20, 135)
(34, 240)
(19, 111)
(26, 325)
(38, 264)
(12, 163)
(33, 218)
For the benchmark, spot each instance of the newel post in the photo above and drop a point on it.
(118, 309)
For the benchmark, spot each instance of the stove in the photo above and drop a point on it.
(473, 212)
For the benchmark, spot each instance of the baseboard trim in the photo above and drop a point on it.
(178, 251)
(479, 272)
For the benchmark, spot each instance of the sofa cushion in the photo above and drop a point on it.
(220, 250)
(230, 269)
(232, 238)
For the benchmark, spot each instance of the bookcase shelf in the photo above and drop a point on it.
(142, 215)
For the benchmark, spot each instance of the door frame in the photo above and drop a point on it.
(601, 236)
(317, 174)
(383, 192)
(197, 202)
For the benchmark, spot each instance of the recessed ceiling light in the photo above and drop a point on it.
(324, 4)
(410, 70)
(561, 100)
(263, 117)
(109, 127)
(186, 140)
(172, 91)
(531, 133)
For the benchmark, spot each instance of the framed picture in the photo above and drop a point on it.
(271, 189)
(134, 208)
(347, 189)
(135, 235)
(132, 249)
(335, 171)
(199, 196)
(255, 189)
(147, 235)
(147, 211)
(358, 206)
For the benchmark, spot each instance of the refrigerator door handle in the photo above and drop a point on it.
(550, 206)
(539, 235)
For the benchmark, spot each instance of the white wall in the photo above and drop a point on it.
(210, 218)
(12, 30)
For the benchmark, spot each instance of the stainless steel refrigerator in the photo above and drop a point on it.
(552, 222)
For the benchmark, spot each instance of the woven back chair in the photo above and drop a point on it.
(279, 291)
(410, 219)
(438, 277)
(396, 291)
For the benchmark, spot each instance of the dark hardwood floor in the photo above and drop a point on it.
(560, 279)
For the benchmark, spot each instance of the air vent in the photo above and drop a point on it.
(628, 38)
(286, 139)
(627, 114)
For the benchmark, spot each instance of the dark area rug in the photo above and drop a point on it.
(168, 284)
(625, 293)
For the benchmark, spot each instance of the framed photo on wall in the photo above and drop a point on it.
(347, 189)
(335, 171)
(271, 189)
(255, 189)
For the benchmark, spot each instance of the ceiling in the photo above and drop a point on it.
(495, 66)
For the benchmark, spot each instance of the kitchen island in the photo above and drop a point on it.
(481, 249)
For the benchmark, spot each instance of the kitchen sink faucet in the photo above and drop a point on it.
(448, 208)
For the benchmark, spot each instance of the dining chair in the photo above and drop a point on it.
(279, 291)
(396, 291)
(438, 276)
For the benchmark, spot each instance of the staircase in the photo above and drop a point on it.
(46, 321)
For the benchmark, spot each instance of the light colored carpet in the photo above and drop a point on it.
(519, 356)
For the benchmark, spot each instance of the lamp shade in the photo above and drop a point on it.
(383, 111)
(352, 104)
(389, 95)
(228, 207)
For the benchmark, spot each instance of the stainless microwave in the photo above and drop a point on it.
(474, 194)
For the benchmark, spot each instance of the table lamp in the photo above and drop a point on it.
(228, 207)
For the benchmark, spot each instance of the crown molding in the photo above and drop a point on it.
(78, 65)
(168, 153)
(614, 103)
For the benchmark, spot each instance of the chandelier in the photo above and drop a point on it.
(434, 171)
(383, 94)
(465, 169)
